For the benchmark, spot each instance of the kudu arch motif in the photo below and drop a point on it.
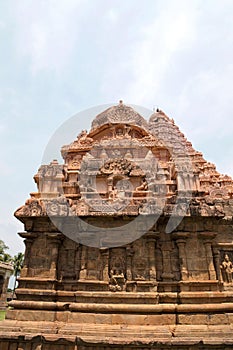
(124, 166)
(134, 228)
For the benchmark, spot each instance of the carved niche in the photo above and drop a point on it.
(117, 269)
(226, 267)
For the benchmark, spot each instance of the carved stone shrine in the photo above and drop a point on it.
(129, 244)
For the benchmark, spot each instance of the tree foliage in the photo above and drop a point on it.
(4, 256)
(18, 263)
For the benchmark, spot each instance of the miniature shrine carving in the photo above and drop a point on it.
(128, 244)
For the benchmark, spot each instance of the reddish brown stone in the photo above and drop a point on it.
(146, 288)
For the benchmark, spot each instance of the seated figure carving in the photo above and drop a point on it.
(117, 281)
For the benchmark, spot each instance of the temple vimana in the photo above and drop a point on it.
(129, 244)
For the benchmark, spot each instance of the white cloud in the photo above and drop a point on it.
(174, 53)
(173, 29)
(112, 15)
(2, 25)
(47, 32)
(8, 233)
(2, 128)
(209, 95)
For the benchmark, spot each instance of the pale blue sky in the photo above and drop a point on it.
(58, 58)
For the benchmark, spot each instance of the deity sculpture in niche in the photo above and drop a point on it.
(117, 271)
(116, 281)
(226, 269)
(118, 177)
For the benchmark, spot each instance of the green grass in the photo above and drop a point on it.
(2, 315)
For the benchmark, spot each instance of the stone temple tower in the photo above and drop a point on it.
(129, 244)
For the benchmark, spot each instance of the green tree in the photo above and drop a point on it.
(18, 264)
(4, 256)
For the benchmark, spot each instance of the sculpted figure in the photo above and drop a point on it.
(82, 136)
(113, 284)
(227, 269)
(143, 186)
(113, 194)
(119, 133)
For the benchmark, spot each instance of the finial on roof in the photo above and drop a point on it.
(121, 102)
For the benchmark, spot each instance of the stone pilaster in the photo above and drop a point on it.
(28, 240)
(54, 242)
(207, 238)
(129, 255)
(152, 236)
(77, 260)
(180, 181)
(180, 238)
(105, 263)
(83, 270)
(216, 254)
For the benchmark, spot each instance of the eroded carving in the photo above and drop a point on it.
(226, 269)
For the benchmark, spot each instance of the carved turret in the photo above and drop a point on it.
(134, 229)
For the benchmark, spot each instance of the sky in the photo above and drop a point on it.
(58, 58)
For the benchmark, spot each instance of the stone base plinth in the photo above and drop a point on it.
(80, 336)
(118, 326)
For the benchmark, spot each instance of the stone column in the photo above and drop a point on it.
(197, 181)
(77, 260)
(187, 182)
(28, 240)
(167, 274)
(207, 238)
(180, 238)
(54, 242)
(180, 181)
(129, 255)
(152, 236)
(83, 271)
(105, 263)
(217, 262)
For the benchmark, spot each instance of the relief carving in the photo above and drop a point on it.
(117, 166)
(143, 186)
(226, 269)
(117, 271)
(116, 281)
(32, 207)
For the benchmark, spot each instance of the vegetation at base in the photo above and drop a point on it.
(2, 315)
(16, 261)
(18, 264)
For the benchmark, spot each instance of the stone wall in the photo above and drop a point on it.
(101, 269)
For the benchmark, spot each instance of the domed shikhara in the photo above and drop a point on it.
(165, 130)
(101, 270)
(163, 171)
(120, 114)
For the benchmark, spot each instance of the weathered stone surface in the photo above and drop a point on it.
(128, 244)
